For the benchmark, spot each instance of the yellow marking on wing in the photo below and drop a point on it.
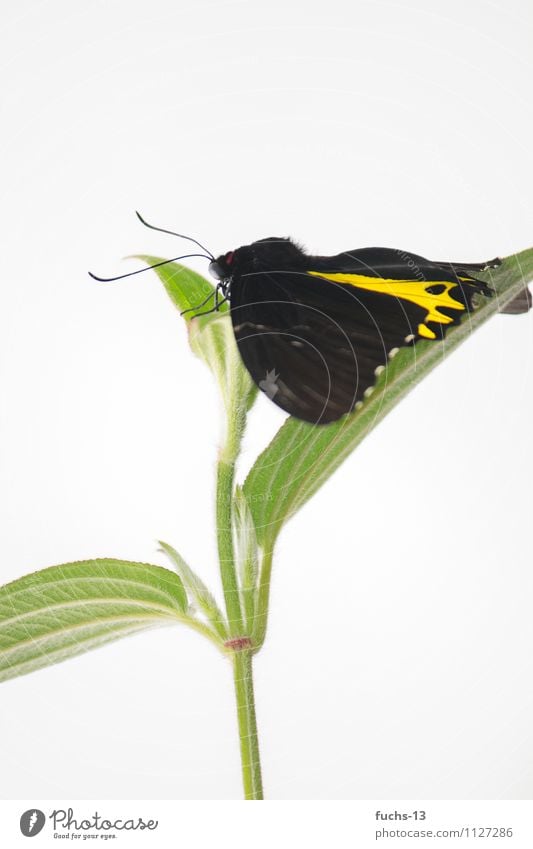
(414, 291)
(426, 332)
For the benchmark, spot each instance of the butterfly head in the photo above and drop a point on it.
(262, 256)
(222, 269)
(272, 252)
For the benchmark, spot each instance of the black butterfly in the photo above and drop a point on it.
(315, 332)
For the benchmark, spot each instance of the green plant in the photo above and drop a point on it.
(60, 611)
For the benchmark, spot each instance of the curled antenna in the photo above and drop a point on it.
(148, 267)
(172, 233)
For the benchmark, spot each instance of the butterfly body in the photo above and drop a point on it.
(326, 326)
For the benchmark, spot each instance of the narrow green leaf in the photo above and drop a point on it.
(56, 613)
(301, 457)
(210, 336)
(215, 344)
(198, 591)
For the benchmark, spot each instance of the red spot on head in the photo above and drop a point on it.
(229, 257)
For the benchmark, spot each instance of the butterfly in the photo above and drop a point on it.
(316, 332)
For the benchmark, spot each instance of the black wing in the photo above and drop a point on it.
(314, 341)
(379, 262)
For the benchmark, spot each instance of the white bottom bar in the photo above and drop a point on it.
(357, 824)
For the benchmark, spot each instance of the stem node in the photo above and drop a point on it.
(238, 643)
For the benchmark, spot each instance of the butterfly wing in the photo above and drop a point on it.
(314, 340)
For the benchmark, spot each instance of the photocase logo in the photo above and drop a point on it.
(31, 822)
(63, 820)
(269, 385)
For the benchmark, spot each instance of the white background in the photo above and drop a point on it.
(399, 657)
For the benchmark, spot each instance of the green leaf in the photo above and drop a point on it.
(211, 338)
(198, 591)
(301, 457)
(56, 613)
(215, 344)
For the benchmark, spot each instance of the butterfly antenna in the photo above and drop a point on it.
(140, 270)
(172, 233)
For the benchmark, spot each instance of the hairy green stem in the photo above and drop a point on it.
(226, 555)
(236, 420)
(244, 692)
(242, 644)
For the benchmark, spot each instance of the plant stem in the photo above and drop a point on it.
(238, 395)
(225, 475)
(244, 692)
